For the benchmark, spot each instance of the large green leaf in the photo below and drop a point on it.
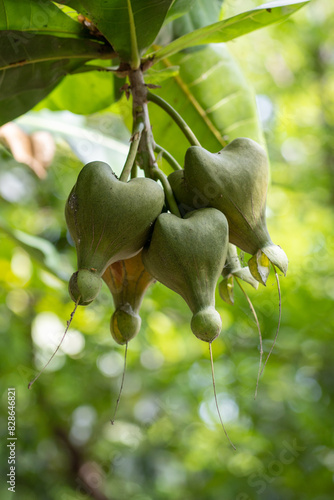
(20, 59)
(13, 107)
(31, 67)
(125, 22)
(37, 17)
(83, 93)
(213, 96)
(233, 27)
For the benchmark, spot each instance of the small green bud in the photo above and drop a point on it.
(206, 324)
(124, 324)
(85, 284)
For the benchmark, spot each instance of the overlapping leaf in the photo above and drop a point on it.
(118, 20)
(233, 27)
(34, 17)
(31, 66)
(83, 93)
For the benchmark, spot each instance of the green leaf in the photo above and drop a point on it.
(158, 76)
(201, 14)
(233, 27)
(179, 8)
(113, 19)
(31, 67)
(83, 93)
(37, 17)
(38, 248)
(73, 4)
(213, 97)
(13, 107)
(6, 155)
(20, 59)
(134, 58)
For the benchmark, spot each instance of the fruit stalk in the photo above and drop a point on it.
(146, 157)
(172, 205)
(168, 157)
(176, 117)
(130, 159)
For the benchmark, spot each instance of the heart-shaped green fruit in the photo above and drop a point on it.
(109, 220)
(188, 255)
(128, 281)
(187, 198)
(235, 181)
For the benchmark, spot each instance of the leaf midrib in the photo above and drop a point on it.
(212, 29)
(47, 59)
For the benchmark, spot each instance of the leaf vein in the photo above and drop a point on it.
(205, 75)
(223, 101)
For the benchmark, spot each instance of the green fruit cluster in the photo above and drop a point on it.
(235, 182)
(125, 234)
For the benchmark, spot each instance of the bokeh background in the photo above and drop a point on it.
(167, 442)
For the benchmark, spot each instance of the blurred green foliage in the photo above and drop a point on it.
(167, 442)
